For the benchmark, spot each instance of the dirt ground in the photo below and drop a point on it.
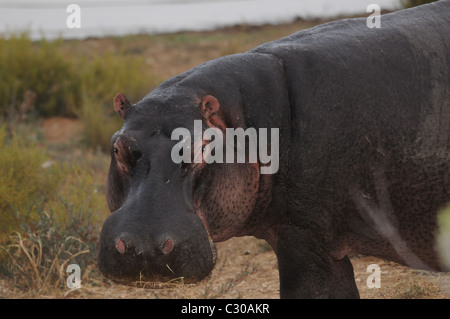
(247, 269)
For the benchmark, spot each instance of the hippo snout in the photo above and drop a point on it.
(148, 252)
(124, 246)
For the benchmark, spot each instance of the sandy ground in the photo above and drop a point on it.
(247, 269)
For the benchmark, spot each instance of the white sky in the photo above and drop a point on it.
(114, 17)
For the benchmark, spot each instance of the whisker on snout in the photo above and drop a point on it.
(168, 267)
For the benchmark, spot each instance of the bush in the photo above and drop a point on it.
(99, 124)
(49, 215)
(26, 183)
(48, 78)
(109, 73)
(39, 254)
(36, 77)
(104, 77)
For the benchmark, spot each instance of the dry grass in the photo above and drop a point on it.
(35, 271)
(235, 276)
(245, 269)
(400, 282)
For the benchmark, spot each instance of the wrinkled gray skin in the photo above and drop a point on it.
(364, 119)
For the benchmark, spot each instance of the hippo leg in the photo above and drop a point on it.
(308, 271)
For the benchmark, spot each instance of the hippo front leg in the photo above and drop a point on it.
(307, 271)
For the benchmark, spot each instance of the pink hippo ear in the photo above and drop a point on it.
(121, 105)
(210, 109)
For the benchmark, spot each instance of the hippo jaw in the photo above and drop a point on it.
(139, 273)
(128, 258)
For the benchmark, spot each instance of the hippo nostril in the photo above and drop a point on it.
(167, 246)
(120, 246)
(125, 247)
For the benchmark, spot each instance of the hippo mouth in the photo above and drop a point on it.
(175, 261)
(148, 278)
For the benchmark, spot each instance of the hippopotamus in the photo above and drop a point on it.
(363, 138)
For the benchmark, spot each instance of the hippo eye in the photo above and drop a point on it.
(115, 150)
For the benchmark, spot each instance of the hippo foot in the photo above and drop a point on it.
(307, 271)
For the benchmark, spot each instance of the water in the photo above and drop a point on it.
(100, 18)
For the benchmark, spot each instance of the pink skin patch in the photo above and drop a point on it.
(120, 246)
(167, 247)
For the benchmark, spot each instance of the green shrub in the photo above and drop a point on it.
(39, 254)
(50, 215)
(107, 74)
(30, 182)
(98, 124)
(26, 183)
(103, 77)
(54, 78)
(36, 76)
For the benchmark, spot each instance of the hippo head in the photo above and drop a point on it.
(166, 215)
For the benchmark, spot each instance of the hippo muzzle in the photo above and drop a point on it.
(133, 252)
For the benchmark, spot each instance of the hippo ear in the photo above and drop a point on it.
(121, 105)
(210, 109)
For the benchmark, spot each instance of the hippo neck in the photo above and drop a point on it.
(252, 91)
